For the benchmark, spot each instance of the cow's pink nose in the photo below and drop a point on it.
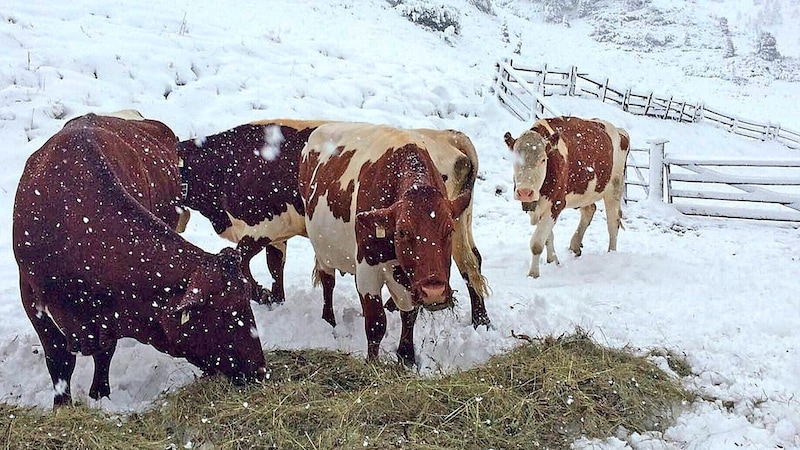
(434, 292)
(525, 195)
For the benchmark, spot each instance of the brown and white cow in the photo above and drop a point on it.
(99, 259)
(377, 207)
(245, 181)
(567, 162)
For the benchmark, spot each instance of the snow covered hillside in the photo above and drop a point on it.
(723, 293)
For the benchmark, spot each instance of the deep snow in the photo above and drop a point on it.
(721, 292)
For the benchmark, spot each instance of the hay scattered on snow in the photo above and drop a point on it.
(545, 393)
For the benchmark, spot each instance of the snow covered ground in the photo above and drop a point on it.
(721, 292)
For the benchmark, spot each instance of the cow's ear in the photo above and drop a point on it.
(509, 140)
(183, 220)
(376, 224)
(553, 140)
(230, 260)
(460, 203)
(195, 291)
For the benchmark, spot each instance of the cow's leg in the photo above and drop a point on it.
(328, 281)
(613, 219)
(102, 364)
(405, 350)
(587, 212)
(551, 249)
(60, 362)
(374, 324)
(468, 260)
(249, 247)
(276, 260)
(544, 229)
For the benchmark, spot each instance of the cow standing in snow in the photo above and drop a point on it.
(377, 207)
(245, 181)
(99, 259)
(567, 162)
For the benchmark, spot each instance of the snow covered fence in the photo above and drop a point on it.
(716, 187)
(547, 81)
(519, 93)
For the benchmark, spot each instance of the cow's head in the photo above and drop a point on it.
(213, 325)
(420, 225)
(530, 162)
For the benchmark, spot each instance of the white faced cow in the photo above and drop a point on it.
(567, 162)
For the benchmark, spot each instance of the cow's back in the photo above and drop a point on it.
(142, 154)
(78, 210)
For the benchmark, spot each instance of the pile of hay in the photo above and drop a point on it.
(545, 393)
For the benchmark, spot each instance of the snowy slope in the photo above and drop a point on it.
(721, 292)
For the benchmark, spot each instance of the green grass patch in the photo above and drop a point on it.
(545, 393)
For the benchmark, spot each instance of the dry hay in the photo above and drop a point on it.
(545, 393)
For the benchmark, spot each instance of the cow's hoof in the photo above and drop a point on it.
(98, 392)
(262, 296)
(480, 319)
(406, 360)
(390, 305)
(330, 319)
(275, 299)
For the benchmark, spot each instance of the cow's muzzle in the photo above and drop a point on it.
(526, 195)
(435, 296)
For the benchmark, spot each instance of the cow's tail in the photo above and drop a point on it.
(465, 251)
(316, 281)
(624, 140)
(624, 147)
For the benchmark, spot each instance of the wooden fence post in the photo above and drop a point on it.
(573, 80)
(656, 171)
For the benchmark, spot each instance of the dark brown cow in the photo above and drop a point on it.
(567, 162)
(244, 180)
(377, 206)
(96, 264)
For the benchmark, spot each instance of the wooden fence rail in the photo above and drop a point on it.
(548, 81)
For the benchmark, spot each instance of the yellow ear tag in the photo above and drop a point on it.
(184, 317)
(380, 232)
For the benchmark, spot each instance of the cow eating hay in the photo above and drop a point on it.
(99, 258)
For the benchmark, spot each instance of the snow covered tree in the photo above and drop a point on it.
(483, 6)
(766, 47)
(730, 50)
(556, 11)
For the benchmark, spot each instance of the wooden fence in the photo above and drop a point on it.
(545, 81)
(710, 187)
(715, 187)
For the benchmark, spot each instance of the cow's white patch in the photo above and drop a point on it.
(60, 387)
(279, 229)
(60, 328)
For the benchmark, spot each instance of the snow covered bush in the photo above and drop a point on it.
(436, 17)
(483, 6)
(766, 47)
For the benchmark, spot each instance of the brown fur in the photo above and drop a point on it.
(96, 264)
